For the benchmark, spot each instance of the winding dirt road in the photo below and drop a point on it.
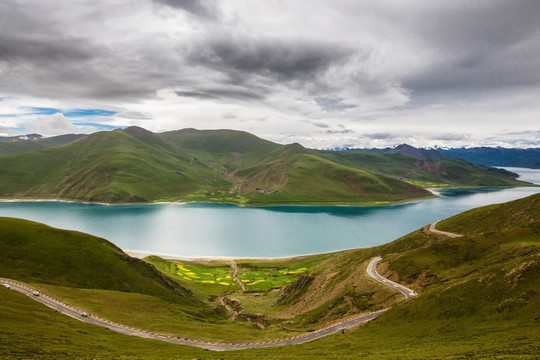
(216, 346)
(372, 271)
(439, 232)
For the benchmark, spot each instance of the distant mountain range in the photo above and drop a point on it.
(20, 137)
(136, 165)
(527, 158)
(498, 156)
(31, 142)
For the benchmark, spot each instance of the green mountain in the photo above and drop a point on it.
(136, 165)
(33, 143)
(131, 165)
(424, 172)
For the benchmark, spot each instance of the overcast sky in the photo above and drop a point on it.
(321, 73)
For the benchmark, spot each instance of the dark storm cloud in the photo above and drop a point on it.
(284, 61)
(221, 93)
(195, 94)
(485, 45)
(17, 48)
(356, 60)
(196, 7)
(38, 58)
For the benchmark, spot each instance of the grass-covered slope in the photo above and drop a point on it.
(478, 298)
(22, 146)
(136, 165)
(495, 217)
(294, 174)
(132, 165)
(424, 172)
(36, 253)
(218, 141)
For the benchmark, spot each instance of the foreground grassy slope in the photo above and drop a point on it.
(478, 298)
(93, 274)
(36, 253)
(423, 172)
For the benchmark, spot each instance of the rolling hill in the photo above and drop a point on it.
(37, 253)
(136, 165)
(445, 172)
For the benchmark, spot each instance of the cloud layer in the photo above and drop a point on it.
(325, 74)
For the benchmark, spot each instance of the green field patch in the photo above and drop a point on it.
(268, 278)
(204, 275)
(426, 184)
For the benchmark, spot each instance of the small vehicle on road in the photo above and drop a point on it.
(7, 286)
(83, 314)
(35, 293)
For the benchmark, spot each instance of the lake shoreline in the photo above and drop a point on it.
(224, 232)
(261, 205)
(140, 254)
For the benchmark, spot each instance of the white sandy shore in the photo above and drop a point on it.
(142, 254)
(434, 191)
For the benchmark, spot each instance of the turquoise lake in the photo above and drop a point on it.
(195, 230)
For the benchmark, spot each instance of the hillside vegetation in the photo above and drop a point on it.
(37, 253)
(478, 298)
(136, 165)
(426, 172)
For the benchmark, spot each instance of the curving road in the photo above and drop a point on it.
(439, 232)
(372, 271)
(300, 339)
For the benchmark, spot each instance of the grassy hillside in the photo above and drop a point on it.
(22, 146)
(478, 298)
(36, 253)
(495, 217)
(218, 141)
(132, 165)
(136, 165)
(423, 172)
(294, 174)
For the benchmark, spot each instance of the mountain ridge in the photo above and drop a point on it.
(136, 165)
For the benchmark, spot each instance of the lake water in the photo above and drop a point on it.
(229, 230)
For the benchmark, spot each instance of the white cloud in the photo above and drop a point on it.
(55, 124)
(419, 70)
